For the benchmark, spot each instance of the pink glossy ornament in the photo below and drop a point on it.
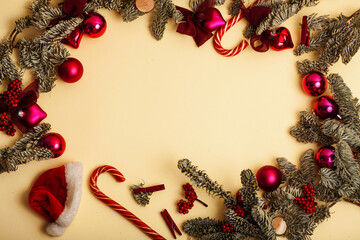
(32, 115)
(325, 157)
(71, 70)
(55, 142)
(314, 83)
(74, 38)
(281, 39)
(326, 107)
(268, 178)
(213, 19)
(94, 25)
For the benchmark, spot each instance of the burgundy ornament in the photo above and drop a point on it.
(73, 8)
(94, 25)
(314, 83)
(268, 178)
(32, 115)
(326, 107)
(55, 142)
(71, 70)
(74, 38)
(325, 157)
(281, 39)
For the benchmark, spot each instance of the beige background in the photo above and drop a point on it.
(142, 105)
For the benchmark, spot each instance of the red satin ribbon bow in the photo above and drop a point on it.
(73, 8)
(201, 23)
(27, 98)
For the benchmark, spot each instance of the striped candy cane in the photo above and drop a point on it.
(220, 33)
(116, 206)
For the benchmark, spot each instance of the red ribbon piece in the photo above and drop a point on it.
(73, 8)
(305, 34)
(149, 189)
(200, 24)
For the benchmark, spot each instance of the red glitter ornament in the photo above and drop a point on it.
(325, 157)
(314, 83)
(94, 25)
(268, 178)
(326, 107)
(55, 142)
(71, 70)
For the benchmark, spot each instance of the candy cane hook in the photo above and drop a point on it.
(116, 206)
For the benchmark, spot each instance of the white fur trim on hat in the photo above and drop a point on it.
(73, 177)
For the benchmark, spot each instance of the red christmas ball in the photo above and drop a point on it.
(280, 39)
(268, 178)
(314, 83)
(94, 25)
(71, 70)
(325, 157)
(326, 107)
(55, 142)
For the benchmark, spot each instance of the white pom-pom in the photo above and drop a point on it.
(55, 230)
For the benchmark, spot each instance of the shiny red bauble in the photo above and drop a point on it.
(55, 142)
(326, 107)
(314, 83)
(268, 178)
(281, 39)
(94, 25)
(71, 70)
(74, 38)
(32, 115)
(325, 157)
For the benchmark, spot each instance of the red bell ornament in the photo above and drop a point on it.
(94, 25)
(55, 142)
(32, 115)
(314, 83)
(268, 178)
(74, 38)
(71, 70)
(326, 107)
(281, 39)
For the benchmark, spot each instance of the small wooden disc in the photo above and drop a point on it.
(279, 225)
(144, 5)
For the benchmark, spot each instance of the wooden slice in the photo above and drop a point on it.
(144, 5)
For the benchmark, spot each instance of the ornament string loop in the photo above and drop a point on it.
(116, 206)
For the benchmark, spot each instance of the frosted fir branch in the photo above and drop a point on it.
(8, 69)
(22, 23)
(347, 169)
(42, 18)
(249, 189)
(38, 4)
(326, 194)
(264, 221)
(317, 23)
(352, 46)
(32, 138)
(282, 197)
(116, 5)
(59, 31)
(321, 213)
(329, 178)
(201, 227)
(308, 130)
(142, 198)
(338, 131)
(343, 97)
(308, 167)
(282, 12)
(130, 12)
(307, 66)
(202, 180)
(241, 224)
(299, 224)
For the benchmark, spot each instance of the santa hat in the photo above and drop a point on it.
(56, 196)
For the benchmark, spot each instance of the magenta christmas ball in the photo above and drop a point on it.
(55, 142)
(71, 70)
(314, 83)
(268, 178)
(326, 107)
(325, 157)
(94, 25)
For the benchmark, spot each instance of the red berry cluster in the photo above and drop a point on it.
(308, 202)
(226, 227)
(190, 195)
(11, 96)
(6, 125)
(239, 211)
